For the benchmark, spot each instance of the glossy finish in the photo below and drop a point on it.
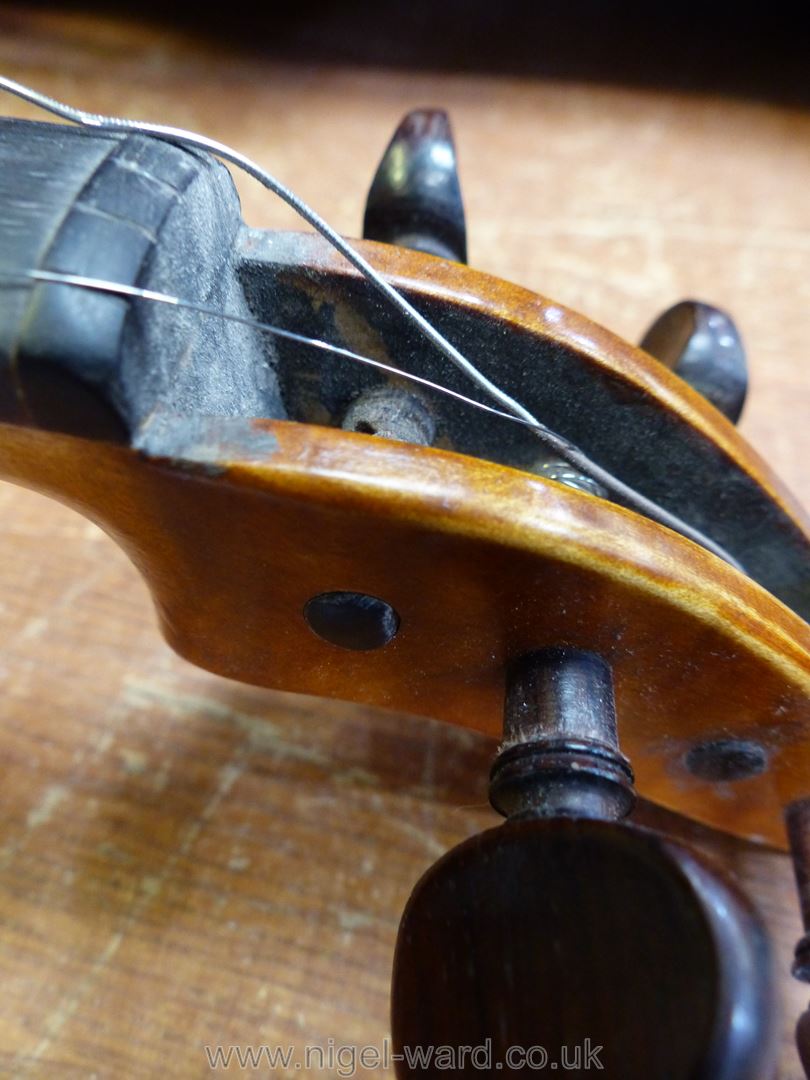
(249, 521)
(702, 345)
(415, 198)
(583, 938)
(560, 753)
(88, 679)
(624, 409)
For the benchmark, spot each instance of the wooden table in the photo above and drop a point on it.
(188, 862)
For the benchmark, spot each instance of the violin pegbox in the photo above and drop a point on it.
(321, 503)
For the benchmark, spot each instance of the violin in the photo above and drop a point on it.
(380, 476)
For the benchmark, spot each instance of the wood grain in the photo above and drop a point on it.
(186, 861)
(244, 522)
(556, 932)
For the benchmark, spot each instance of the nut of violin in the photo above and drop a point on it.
(702, 344)
(415, 198)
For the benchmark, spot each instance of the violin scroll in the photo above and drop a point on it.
(320, 504)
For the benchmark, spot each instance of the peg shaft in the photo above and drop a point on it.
(560, 755)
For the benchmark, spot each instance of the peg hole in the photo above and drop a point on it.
(352, 620)
(724, 760)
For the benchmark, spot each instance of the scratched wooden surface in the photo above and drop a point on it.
(187, 862)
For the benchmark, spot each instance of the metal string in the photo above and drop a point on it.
(54, 277)
(30, 277)
(235, 157)
(570, 453)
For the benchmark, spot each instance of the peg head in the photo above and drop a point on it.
(582, 936)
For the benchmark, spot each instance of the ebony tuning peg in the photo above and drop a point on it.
(797, 824)
(415, 197)
(702, 344)
(568, 939)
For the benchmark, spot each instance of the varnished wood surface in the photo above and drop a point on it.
(188, 861)
(626, 905)
(245, 521)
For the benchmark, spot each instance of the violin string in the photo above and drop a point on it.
(566, 450)
(247, 165)
(30, 277)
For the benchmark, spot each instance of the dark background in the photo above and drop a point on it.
(758, 51)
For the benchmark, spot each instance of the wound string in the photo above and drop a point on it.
(30, 277)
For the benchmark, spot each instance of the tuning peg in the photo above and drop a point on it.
(797, 824)
(702, 344)
(560, 753)
(567, 939)
(415, 197)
